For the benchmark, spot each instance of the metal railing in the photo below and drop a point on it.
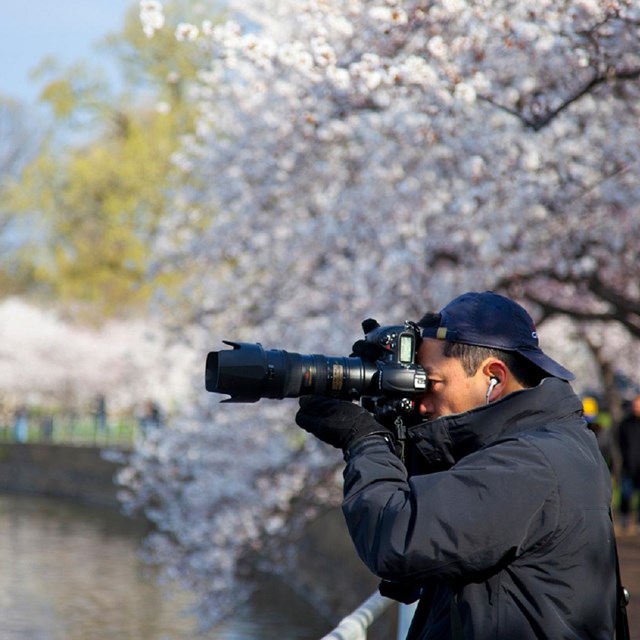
(356, 624)
(37, 427)
(77, 432)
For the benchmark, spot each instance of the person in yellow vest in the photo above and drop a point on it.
(598, 423)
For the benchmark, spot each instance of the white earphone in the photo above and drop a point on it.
(492, 383)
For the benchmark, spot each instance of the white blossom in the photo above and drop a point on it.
(360, 160)
(187, 31)
(151, 16)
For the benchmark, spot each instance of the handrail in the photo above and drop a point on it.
(355, 625)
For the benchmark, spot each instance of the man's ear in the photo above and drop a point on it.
(494, 368)
(497, 375)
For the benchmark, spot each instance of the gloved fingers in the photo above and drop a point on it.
(306, 419)
(369, 325)
(325, 418)
(316, 404)
(329, 408)
(314, 412)
(336, 422)
(366, 350)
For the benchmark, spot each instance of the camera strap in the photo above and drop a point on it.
(401, 438)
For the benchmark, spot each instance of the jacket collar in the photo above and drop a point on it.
(446, 440)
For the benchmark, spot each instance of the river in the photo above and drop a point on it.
(71, 572)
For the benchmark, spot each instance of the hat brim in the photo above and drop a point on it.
(537, 357)
(547, 364)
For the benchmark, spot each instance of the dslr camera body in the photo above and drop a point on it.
(381, 372)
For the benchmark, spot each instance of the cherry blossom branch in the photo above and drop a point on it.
(622, 309)
(539, 122)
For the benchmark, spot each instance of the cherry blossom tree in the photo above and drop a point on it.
(361, 159)
(45, 360)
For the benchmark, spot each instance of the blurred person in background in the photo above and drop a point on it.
(629, 442)
(600, 424)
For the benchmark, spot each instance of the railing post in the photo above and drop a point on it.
(405, 616)
(355, 625)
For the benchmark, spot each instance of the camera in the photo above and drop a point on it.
(386, 380)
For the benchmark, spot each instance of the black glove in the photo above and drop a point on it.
(336, 422)
(364, 349)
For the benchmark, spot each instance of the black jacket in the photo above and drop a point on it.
(513, 540)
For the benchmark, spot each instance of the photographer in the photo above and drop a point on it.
(499, 520)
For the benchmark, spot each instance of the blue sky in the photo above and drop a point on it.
(66, 29)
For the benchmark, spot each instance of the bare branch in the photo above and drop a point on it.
(598, 78)
(621, 308)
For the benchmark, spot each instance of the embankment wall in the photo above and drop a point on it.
(61, 471)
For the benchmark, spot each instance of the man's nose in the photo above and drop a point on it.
(424, 406)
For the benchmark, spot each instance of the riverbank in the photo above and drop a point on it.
(59, 471)
(330, 576)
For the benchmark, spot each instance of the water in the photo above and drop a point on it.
(70, 572)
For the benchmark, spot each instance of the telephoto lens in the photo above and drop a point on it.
(247, 372)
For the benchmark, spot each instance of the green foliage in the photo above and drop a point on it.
(95, 196)
(101, 205)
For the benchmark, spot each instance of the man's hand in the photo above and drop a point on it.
(364, 349)
(336, 422)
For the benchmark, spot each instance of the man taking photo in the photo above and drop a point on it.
(498, 520)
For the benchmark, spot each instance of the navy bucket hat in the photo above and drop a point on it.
(488, 319)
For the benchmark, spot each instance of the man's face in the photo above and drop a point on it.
(450, 389)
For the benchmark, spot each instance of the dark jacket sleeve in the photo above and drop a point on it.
(489, 507)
